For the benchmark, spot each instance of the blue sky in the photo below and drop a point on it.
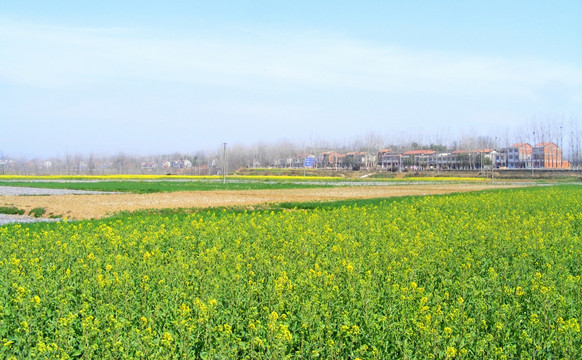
(160, 77)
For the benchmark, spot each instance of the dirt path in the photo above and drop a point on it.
(98, 206)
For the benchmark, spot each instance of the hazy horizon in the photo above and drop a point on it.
(143, 78)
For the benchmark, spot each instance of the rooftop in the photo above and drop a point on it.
(420, 152)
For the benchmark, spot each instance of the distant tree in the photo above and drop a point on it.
(91, 165)
(464, 160)
(120, 163)
(353, 162)
(438, 147)
(3, 163)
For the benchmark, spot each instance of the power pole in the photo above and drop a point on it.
(224, 164)
(493, 163)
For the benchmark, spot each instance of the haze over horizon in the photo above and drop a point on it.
(178, 76)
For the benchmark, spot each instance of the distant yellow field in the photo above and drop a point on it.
(230, 177)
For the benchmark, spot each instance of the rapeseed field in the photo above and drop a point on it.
(494, 275)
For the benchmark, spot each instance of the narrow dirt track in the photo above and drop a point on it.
(98, 206)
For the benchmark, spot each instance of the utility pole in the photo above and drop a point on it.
(224, 164)
(493, 162)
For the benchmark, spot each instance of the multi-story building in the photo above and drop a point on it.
(419, 159)
(547, 155)
(330, 159)
(501, 158)
(519, 156)
(444, 161)
(388, 159)
(359, 158)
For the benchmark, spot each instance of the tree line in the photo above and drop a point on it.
(565, 134)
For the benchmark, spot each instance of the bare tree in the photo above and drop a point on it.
(574, 142)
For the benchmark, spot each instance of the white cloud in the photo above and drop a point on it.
(63, 57)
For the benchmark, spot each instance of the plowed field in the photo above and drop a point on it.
(98, 206)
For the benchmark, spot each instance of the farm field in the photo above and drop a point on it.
(145, 184)
(98, 206)
(494, 274)
(147, 187)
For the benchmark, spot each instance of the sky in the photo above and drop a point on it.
(180, 76)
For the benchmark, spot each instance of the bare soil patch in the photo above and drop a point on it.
(99, 206)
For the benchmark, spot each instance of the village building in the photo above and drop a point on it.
(548, 155)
